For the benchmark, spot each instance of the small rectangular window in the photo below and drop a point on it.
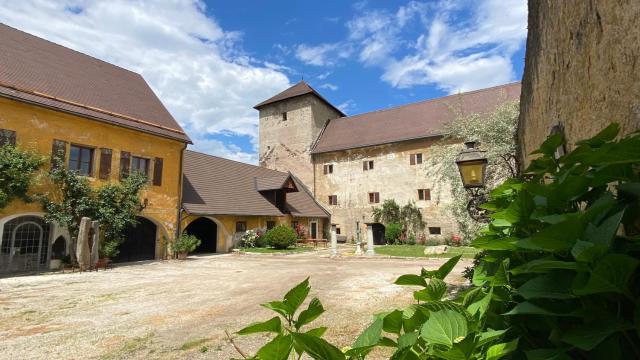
(367, 165)
(374, 197)
(424, 194)
(284, 116)
(241, 226)
(81, 160)
(271, 225)
(140, 165)
(7, 137)
(435, 231)
(328, 169)
(418, 158)
(415, 159)
(338, 231)
(333, 199)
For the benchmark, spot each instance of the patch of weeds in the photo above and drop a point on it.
(204, 349)
(193, 344)
(131, 346)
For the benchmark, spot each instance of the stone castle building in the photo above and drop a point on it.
(353, 163)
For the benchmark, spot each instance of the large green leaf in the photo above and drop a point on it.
(498, 351)
(607, 134)
(413, 317)
(317, 348)
(434, 291)
(463, 350)
(544, 265)
(528, 308)
(314, 310)
(443, 270)
(318, 332)
(501, 276)
(603, 234)
(277, 349)
(407, 339)
(411, 279)
(611, 274)
(489, 336)
(444, 327)
(554, 285)
(271, 325)
(371, 335)
(586, 251)
(392, 322)
(279, 307)
(490, 242)
(480, 307)
(555, 237)
(588, 336)
(550, 145)
(296, 296)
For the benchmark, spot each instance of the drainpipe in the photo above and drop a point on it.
(177, 232)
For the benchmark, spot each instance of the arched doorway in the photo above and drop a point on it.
(378, 234)
(139, 243)
(207, 231)
(59, 248)
(25, 244)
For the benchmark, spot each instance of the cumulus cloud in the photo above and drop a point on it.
(196, 68)
(329, 86)
(327, 54)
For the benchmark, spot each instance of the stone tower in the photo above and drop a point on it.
(290, 123)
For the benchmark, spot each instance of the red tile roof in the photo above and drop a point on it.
(407, 122)
(37, 71)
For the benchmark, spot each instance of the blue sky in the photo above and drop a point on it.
(210, 62)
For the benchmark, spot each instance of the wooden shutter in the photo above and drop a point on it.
(58, 153)
(364, 166)
(157, 172)
(105, 164)
(325, 169)
(412, 159)
(125, 164)
(377, 197)
(427, 194)
(7, 137)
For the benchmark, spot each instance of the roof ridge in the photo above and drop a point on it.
(75, 51)
(429, 100)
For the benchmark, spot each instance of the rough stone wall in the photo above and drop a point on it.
(392, 176)
(285, 144)
(582, 69)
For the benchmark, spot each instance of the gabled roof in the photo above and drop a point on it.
(413, 121)
(299, 89)
(40, 72)
(282, 181)
(217, 186)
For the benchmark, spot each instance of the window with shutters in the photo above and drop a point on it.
(424, 194)
(241, 226)
(367, 165)
(374, 197)
(81, 159)
(105, 164)
(435, 230)
(328, 169)
(157, 172)
(140, 165)
(415, 159)
(7, 137)
(333, 199)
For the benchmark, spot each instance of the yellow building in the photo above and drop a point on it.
(107, 122)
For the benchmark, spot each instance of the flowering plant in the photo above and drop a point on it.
(249, 238)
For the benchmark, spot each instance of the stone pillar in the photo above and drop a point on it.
(95, 243)
(82, 245)
(370, 251)
(334, 241)
(358, 241)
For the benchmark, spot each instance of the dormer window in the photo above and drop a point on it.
(284, 116)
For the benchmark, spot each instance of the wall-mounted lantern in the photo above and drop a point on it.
(472, 164)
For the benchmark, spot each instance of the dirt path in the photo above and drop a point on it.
(176, 309)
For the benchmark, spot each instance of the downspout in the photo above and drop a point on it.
(179, 224)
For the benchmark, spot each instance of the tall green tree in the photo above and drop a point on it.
(18, 173)
(408, 216)
(496, 133)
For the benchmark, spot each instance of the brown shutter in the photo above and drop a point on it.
(157, 172)
(7, 137)
(105, 164)
(427, 194)
(377, 196)
(364, 166)
(412, 159)
(325, 169)
(58, 153)
(125, 164)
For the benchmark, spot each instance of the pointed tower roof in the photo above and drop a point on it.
(299, 89)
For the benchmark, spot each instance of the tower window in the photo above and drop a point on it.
(284, 116)
(333, 199)
(415, 159)
(374, 197)
(424, 194)
(328, 169)
(367, 165)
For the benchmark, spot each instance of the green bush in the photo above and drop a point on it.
(411, 240)
(280, 237)
(392, 233)
(186, 243)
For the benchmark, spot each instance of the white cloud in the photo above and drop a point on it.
(195, 67)
(326, 54)
(346, 106)
(329, 86)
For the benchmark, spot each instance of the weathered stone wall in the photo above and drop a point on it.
(285, 144)
(392, 176)
(582, 69)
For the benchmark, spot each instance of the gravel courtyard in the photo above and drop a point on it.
(180, 309)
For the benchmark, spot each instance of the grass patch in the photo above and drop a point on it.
(136, 344)
(194, 344)
(277, 251)
(418, 251)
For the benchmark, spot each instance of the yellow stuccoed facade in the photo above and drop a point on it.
(36, 128)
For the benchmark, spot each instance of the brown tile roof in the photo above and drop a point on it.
(37, 71)
(299, 89)
(217, 186)
(271, 182)
(412, 121)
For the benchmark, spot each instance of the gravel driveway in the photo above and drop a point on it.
(180, 309)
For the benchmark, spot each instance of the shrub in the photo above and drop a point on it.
(301, 231)
(109, 249)
(392, 233)
(281, 237)
(249, 239)
(18, 173)
(186, 243)
(411, 240)
(433, 242)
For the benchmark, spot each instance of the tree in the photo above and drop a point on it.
(117, 206)
(408, 216)
(496, 133)
(17, 173)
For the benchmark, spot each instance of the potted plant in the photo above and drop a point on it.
(185, 244)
